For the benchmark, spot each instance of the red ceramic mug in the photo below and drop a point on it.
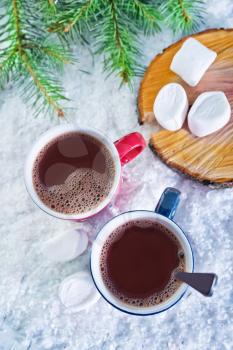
(123, 151)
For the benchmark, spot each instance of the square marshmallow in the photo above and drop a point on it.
(192, 61)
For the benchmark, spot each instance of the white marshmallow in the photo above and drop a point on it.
(192, 61)
(65, 247)
(209, 113)
(78, 292)
(171, 106)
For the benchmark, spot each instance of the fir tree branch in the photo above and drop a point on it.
(40, 86)
(184, 11)
(49, 8)
(146, 15)
(22, 53)
(117, 41)
(74, 15)
(56, 54)
(183, 15)
(17, 26)
(81, 13)
(6, 66)
(115, 25)
(31, 54)
(27, 55)
(6, 60)
(54, 51)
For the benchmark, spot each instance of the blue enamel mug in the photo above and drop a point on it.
(163, 214)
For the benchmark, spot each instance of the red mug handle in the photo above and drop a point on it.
(130, 146)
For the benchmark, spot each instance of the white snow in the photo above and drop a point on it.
(31, 315)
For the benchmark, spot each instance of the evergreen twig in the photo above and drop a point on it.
(27, 55)
(183, 15)
(74, 17)
(117, 42)
(34, 37)
(115, 25)
(146, 15)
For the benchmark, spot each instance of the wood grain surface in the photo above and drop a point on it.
(208, 159)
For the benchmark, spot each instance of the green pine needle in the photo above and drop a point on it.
(35, 38)
(28, 54)
(117, 42)
(183, 15)
(146, 16)
(115, 25)
(74, 17)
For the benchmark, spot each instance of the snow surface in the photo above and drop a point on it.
(31, 316)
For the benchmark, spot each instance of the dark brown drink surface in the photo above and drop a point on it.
(73, 173)
(138, 262)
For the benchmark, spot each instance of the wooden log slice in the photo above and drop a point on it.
(208, 159)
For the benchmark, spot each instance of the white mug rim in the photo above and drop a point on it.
(44, 139)
(95, 266)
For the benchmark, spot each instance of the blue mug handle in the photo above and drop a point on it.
(168, 202)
